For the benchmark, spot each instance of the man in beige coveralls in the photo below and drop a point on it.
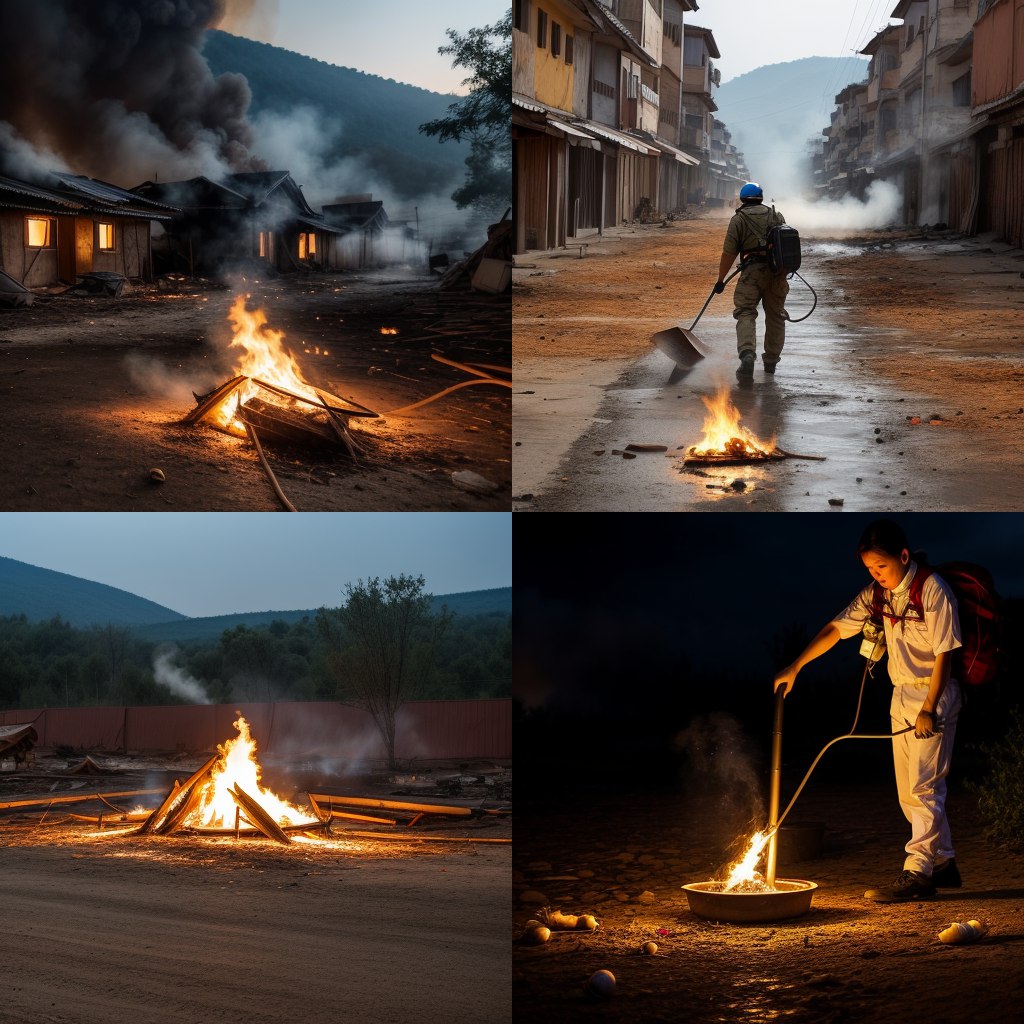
(745, 238)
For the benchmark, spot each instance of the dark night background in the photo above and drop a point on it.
(633, 628)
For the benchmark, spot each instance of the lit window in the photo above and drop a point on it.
(105, 237)
(39, 232)
(264, 244)
(307, 245)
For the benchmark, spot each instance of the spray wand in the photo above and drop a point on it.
(775, 819)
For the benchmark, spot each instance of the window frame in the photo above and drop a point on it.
(51, 233)
(100, 224)
(542, 29)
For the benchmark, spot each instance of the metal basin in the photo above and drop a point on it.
(792, 899)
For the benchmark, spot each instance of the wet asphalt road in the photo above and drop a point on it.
(822, 401)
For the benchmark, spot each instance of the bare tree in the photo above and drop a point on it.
(380, 646)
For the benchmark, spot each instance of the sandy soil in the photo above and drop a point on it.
(112, 927)
(624, 860)
(94, 390)
(938, 319)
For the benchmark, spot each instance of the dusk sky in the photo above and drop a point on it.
(217, 563)
(397, 39)
(751, 34)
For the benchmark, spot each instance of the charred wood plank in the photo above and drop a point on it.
(177, 793)
(258, 816)
(392, 805)
(277, 423)
(214, 398)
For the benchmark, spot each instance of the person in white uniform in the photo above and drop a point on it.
(925, 700)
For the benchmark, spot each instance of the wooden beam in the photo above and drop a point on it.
(391, 805)
(178, 792)
(258, 816)
(8, 805)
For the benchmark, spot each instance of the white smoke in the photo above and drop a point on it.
(176, 679)
(881, 207)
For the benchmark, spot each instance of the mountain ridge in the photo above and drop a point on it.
(41, 594)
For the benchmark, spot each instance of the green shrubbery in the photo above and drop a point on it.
(1001, 787)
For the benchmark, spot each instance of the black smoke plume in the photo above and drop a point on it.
(119, 89)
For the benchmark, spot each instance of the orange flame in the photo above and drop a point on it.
(263, 356)
(238, 766)
(389, 330)
(723, 433)
(745, 870)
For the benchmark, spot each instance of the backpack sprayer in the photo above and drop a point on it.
(685, 349)
(872, 648)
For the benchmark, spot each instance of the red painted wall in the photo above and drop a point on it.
(442, 730)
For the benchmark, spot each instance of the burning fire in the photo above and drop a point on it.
(389, 330)
(744, 872)
(263, 356)
(723, 434)
(238, 767)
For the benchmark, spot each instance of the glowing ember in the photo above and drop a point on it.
(264, 357)
(389, 330)
(723, 434)
(744, 875)
(238, 767)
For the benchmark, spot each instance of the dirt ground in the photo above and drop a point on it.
(934, 323)
(624, 859)
(105, 927)
(94, 390)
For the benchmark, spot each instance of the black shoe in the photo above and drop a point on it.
(746, 368)
(770, 367)
(946, 876)
(908, 885)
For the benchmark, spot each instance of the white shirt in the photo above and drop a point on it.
(913, 645)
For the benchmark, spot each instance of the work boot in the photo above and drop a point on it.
(745, 370)
(908, 885)
(946, 876)
(770, 367)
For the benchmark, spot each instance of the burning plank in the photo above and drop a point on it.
(259, 817)
(157, 818)
(265, 365)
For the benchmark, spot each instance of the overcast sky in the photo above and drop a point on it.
(395, 39)
(752, 33)
(216, 563)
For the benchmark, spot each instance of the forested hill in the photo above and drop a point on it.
(375, 120)
(497, 602)
(41, 594)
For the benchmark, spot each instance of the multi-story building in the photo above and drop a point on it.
(941, 115)
(595, 135)
(700, 79)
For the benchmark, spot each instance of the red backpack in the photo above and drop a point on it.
(978, 604)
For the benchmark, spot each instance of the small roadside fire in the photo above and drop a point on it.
(389, 330)
(727, 442)
(725, 437)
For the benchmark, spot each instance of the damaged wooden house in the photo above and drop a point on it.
(259, 216)
(63, 228)
(365, 239)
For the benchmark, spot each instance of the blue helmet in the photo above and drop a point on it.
(751, 191)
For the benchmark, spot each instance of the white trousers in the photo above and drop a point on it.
(921, 770)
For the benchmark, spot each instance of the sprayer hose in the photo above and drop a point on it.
(851, 735)
(813, 307)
